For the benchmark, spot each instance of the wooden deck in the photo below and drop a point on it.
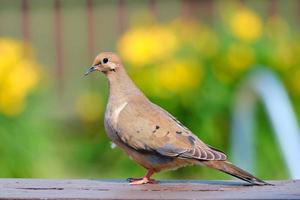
(116, 189)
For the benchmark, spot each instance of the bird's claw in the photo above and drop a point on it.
(140, 181)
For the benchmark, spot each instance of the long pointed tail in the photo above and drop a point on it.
(233, 170)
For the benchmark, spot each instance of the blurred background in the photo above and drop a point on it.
(191, 57)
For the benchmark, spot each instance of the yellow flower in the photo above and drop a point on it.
(246, 25)
(18, 75)
(89, 107)
(240, 57)
(10, 54)
(178, 76)
(142, 45)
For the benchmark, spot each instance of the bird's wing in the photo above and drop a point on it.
(147, 127)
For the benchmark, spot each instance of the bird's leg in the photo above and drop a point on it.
(144, 180)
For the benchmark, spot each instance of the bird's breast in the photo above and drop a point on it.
(112, 114)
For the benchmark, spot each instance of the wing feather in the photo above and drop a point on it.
(145, 126)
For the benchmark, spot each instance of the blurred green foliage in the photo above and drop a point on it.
(191, 67)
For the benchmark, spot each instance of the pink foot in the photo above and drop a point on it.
(140, 181)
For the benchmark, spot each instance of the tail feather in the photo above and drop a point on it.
(233, 170)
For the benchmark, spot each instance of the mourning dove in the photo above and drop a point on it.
(151, 136)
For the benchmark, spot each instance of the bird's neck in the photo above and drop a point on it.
(121, 87)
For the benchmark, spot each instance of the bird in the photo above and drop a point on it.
(150, 135)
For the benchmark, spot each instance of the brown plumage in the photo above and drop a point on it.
(150, 135)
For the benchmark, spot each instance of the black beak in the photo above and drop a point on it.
(91, 69)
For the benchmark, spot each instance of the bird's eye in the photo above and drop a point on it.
(105, 60)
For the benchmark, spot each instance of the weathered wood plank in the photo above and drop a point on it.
(115, 189)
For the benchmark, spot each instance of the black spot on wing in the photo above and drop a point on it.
(156, 128)
(172, 117)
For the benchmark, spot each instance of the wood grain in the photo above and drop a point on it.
(116, 189)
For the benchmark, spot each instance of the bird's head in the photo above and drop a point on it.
(105, 62)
